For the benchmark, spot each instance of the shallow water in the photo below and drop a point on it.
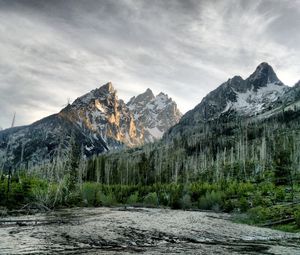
(144, 231)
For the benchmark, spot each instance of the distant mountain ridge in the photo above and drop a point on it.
(261, 94)
(99, 121)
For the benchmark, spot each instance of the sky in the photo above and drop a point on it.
(55, 51)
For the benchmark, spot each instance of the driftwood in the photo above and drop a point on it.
(27, 222)
(36, 206)
(31, 208)
(289, 203)
(274, 223)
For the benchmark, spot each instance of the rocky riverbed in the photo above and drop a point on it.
(138, 231)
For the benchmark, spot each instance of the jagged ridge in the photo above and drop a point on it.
(261, 92)
(98, 120)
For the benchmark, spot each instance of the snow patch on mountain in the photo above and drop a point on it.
(154, 114)
(252, 102)
(155, 132)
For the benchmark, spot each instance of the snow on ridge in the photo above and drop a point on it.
(252, 102)
(86, 98)
(155, 132)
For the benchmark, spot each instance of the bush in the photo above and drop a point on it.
(259, 214)
(55, 195)
(106, 200)
(230, 205)
(280, 193)
(164, 198)
(297, 217)
(211, 200)
(243, 204)
(89, 191)
(133, 198)
(74, 198)
(186, 202)
(151, 199)
(40, 195)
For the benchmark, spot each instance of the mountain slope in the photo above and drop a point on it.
(98, 121)
(239, 98)
(223, 143)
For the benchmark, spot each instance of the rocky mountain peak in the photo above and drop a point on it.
(99, 122)
(141, 100)
(236, 82)
(243, 97)
(149, 92)
(263, 75)
(235, 79)
(161, 94)
(107, 88)
(297, 84)
(155, 114)
(104, 93)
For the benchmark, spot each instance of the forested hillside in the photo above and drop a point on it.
(240, 149)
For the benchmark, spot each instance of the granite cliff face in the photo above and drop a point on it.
(98, 121)
(154, 114)
(107, 117)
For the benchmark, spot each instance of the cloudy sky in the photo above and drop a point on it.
(52, 51)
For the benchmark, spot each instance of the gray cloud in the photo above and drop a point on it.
(54, 50)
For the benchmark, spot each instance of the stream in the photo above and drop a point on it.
(138, 231)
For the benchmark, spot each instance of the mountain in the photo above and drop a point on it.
(245, 130)
(246, 97)
(98, 121)
(154, 115)
(260, 93)
(105, 116)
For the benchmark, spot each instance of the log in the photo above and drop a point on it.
(284, 221)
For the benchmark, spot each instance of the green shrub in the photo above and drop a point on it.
(175, 192)
(133, 198)
(106, 200)
(186, 202)
(40, 195)
(280, 193)
(230, 205)
(55, 195)
(151, 199)
(259, 214)
(164, 198)
(89, 191)
(257, 200)
(203, 203)
(74, 198)
(243, 204)
(297, 217)
(211, 200)
(267, 188)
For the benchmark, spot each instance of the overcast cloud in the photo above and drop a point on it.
(54, 50)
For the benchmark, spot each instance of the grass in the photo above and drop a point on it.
(292, 228)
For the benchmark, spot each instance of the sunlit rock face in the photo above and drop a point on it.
(103, 114)
(99, 121)
(153, 114)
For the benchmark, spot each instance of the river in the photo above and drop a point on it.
(138, 231)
